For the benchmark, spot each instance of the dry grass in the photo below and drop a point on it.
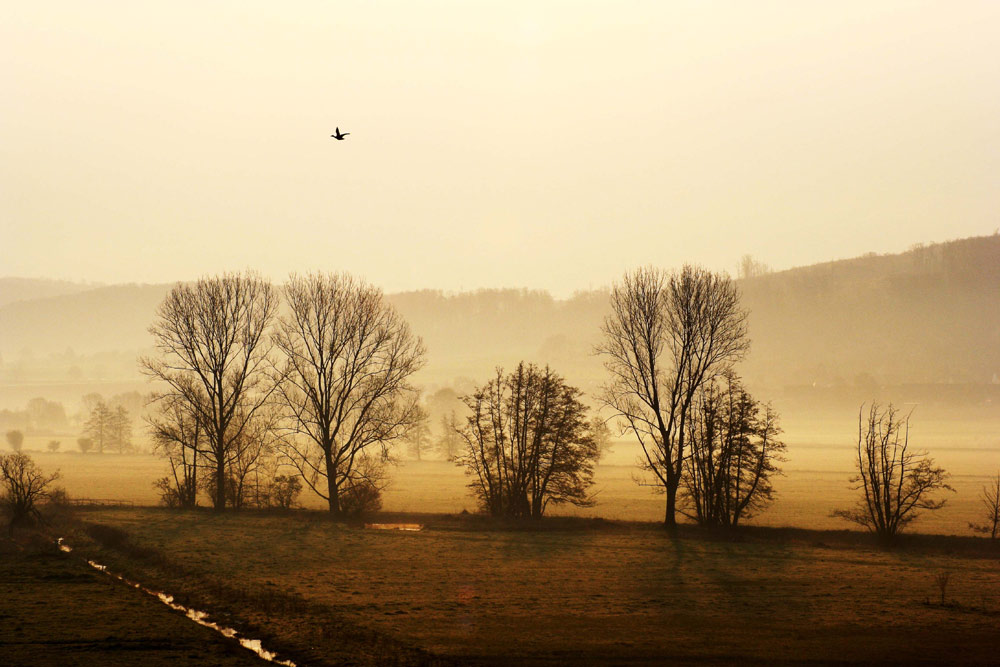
(572, 591)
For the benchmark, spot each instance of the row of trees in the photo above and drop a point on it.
(325, 385)
(323, 388)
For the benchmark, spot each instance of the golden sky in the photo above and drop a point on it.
(509, 143)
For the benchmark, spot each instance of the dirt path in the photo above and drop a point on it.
(55, 610)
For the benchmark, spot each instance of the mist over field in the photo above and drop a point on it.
(920, 328)
(427, 333)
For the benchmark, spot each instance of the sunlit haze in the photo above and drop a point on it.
(547, 145)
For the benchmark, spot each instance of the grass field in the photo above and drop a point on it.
(587, 592)
(814, 483)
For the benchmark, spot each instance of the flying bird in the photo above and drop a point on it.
(339, 136)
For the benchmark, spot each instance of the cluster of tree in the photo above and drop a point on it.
(668, 341)
(39, 416)
(107, 428)
(528, 443)
(322, 388)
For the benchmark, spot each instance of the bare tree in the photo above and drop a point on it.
(528, 443)
(24, 485)
(733, 442)
(990, 497)
(212, 336)
(418, 440)
(449, 443)
(667, 335)
(895, 482)
(178, 436)
(100, 425)
(348, 357)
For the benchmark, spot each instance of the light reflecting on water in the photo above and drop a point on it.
(196, 615)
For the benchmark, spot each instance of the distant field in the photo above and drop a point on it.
(580, 594)
(819, 463)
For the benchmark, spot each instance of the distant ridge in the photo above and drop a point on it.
(928, 315)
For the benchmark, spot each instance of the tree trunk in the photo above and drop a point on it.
(333, 493)
(670, 519)
(220, 485)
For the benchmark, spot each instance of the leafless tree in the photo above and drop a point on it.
(178, 436)
(667, 335)
(347, 360)
(100, 425)
(449, 443)
(990, 497)
(213, 340)
(24, 485)
(734, 445)
(418, 440)
(895, 481)
(528, 443)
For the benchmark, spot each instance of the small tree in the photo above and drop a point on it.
(15, 439)
(54, 446)
(24, 485)
(85, 444)
(895, 482)
(120, 429)
(990, 497)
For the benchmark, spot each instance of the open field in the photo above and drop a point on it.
(582, 592)
(818, 466)
(55, 610)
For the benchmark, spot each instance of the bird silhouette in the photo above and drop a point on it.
(339, 136)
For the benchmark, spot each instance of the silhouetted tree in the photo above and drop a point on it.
(348, 357)
(418, 440)
(895, 482)
(178, 436)
(100, 426)
(528, 443)
(54, 445)
(85, 444)
(24, 485)
(449, 444)
(212, 336)
(990, 497)
(15, 439)
(668, 335)
(733, 442)
(120, 429)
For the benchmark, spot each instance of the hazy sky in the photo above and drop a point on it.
(510, 143)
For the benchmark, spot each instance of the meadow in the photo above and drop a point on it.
(818, 465)
(570, 591)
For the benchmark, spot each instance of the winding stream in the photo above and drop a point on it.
(199, 617)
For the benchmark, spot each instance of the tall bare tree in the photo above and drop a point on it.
(667, 335)
(214, 348)
(895, 482)
(348, 357)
